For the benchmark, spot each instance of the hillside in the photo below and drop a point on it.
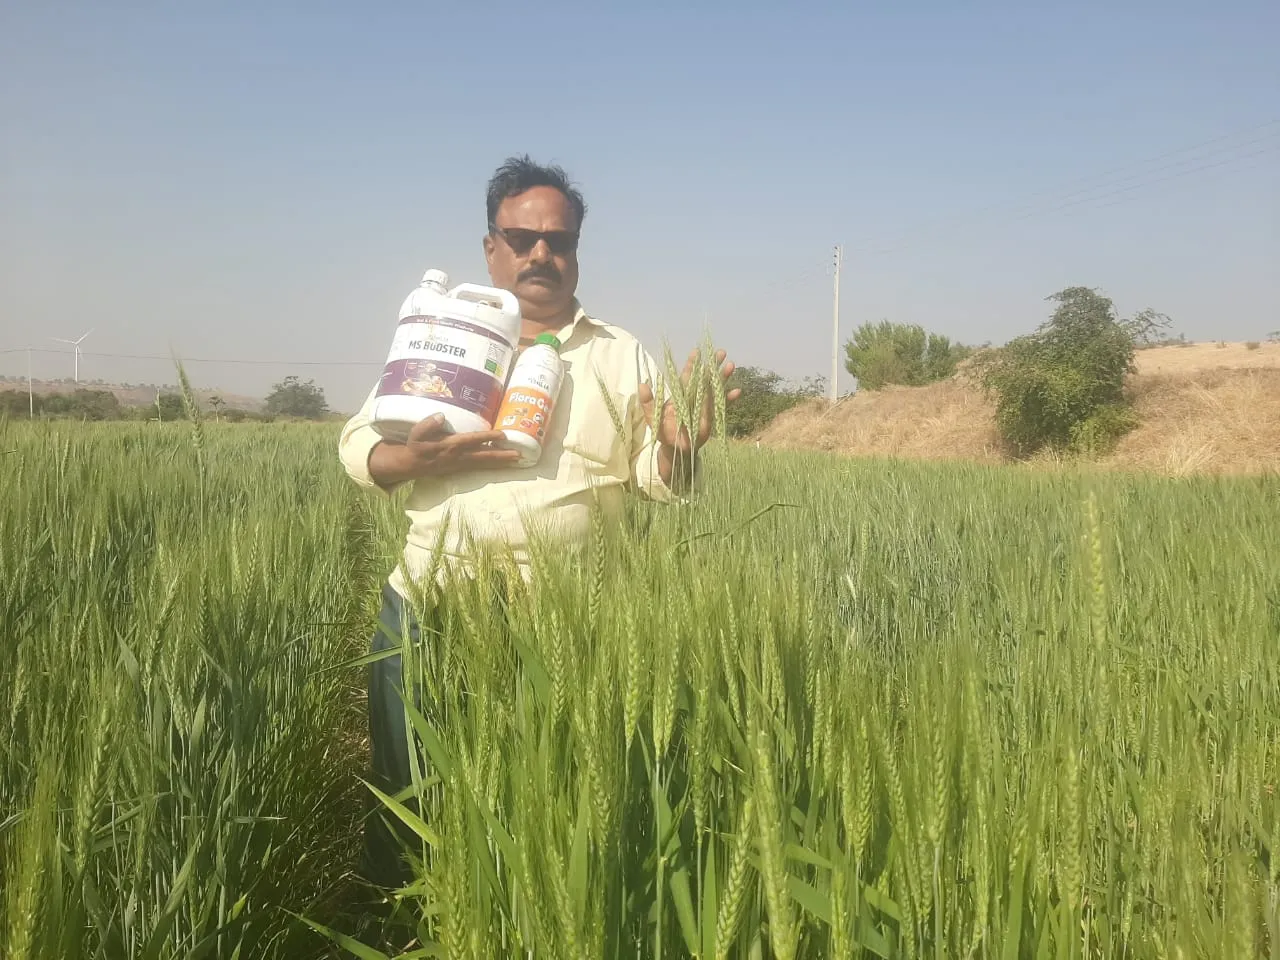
(130, 394)
(1204, 408)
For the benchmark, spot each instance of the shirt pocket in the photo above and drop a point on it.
(590, 432)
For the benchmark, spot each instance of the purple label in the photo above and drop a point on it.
(452, 324)
(462, 387)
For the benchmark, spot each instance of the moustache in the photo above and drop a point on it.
(543, 271)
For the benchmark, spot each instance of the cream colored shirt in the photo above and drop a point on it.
(583, 451)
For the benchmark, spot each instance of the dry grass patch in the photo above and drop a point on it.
(1203, 409)
(950, 420)
(1215, 421)
(1197, 357)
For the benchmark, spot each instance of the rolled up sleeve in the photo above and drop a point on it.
(644, 442)
(356, 442)
(644, 471)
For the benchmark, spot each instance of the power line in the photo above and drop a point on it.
(1173, 176)
(1102, 181)
(1125, 199)
(1106, 182)
(1080, 197)
(1093, 197)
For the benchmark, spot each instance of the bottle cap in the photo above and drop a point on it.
(549, 339)
(436, 277)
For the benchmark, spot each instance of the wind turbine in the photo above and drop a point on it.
(76, 344)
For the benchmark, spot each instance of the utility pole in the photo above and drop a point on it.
(835, 325)
(31, 397)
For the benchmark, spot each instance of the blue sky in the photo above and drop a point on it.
(267, 181)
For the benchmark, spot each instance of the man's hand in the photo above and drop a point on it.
(431, 451)
(673, 437)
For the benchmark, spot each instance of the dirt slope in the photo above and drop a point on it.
(1204, 409)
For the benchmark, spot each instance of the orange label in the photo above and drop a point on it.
(526, 410)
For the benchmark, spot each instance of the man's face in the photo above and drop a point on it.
(533, 252)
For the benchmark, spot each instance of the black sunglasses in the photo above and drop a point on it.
(521, 241)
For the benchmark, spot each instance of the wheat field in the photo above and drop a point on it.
(831, 708)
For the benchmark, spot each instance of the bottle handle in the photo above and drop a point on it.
(477, 293)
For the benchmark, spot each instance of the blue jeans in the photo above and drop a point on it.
(382, 862)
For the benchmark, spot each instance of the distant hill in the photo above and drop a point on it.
(131, 394)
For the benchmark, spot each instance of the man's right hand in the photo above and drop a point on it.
(431, 451)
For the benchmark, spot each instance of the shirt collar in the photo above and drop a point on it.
(580, 318)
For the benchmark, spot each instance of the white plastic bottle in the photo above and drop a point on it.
(450, 355)
(530, 399)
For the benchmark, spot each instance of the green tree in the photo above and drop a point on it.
(1148, 328)
(884, 353)
(1062, 386)
(292, 398)
(79, 404)
(765, 394)
(96, 405)
(170, 407)
(15, 403)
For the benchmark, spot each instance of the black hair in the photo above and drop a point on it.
(519, 174)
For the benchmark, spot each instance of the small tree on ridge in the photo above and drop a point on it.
(884, 353)
(293, 398)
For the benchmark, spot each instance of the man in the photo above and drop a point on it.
(534, 220)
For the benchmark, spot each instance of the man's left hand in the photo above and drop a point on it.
(672, 435)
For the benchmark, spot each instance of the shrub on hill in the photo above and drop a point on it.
(765, 394)
(1062, 387)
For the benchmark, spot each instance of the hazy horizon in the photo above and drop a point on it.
(236, 184)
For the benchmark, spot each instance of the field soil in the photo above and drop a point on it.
(1204, 408)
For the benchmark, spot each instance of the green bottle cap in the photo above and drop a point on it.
(549, 339)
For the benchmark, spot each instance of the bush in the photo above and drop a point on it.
(80, 404)
(293, 398)
(1252, 345)
(96, 405)
(1062, 387)
(764, 395)
(880, 354)
(1149, 328)
(1098, 433)
(170, 407)
(1179, 341)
